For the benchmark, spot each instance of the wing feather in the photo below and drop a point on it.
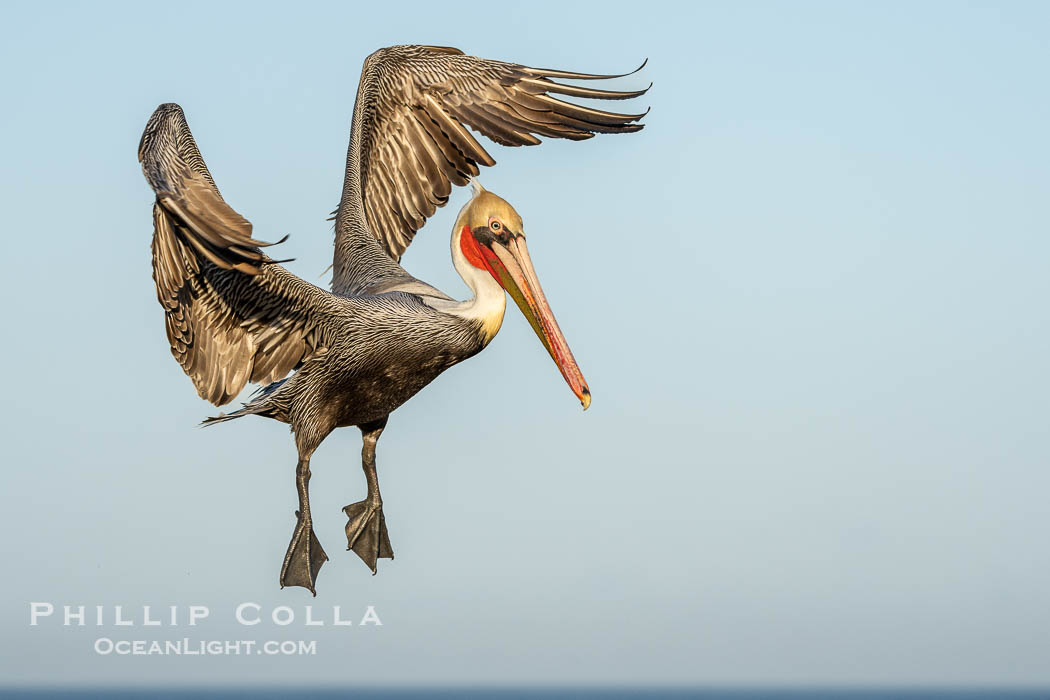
(414, 106)
(231, 314)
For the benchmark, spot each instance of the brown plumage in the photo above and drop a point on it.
(410, 142)
(233, 315)
(418, 99)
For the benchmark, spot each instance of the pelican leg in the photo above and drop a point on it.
(366, 529)
(305, 556)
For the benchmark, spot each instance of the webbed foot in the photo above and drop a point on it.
(304, 557)
(366, 532)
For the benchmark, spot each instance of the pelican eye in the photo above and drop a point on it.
(495, 225)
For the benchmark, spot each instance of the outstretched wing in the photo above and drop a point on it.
(232, 314)
(413, 106)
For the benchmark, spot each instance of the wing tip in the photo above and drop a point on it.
(573, 75)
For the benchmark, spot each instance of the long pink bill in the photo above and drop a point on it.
(516, 274)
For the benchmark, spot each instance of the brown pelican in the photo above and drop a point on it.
(234, 315)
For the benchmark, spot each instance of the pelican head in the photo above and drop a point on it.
(492, 239)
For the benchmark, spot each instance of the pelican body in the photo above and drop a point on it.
(352, 355)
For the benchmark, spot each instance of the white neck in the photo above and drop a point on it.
(489, 301)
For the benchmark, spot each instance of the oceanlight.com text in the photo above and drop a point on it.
(104, 646)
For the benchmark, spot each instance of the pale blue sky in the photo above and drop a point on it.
(809, 298)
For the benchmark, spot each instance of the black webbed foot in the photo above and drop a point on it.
(366, 532)
(304, 557)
